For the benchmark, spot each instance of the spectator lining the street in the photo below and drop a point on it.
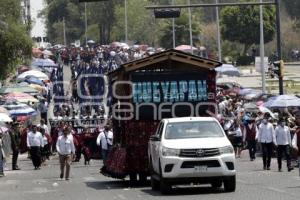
(266, 137)
(35, 143)
(284, 142)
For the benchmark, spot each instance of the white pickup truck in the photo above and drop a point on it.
(191, 150)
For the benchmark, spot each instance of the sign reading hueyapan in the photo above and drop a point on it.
(170, 91)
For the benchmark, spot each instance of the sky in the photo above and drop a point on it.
(39, 25)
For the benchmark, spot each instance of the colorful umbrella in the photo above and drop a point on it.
(20, 109)
(22, 69)
(25, 89)
(33, 73)
(37, 87)
(34, 80)
(228, 70)
(5, 118)
(266, 110)
(185, 48)
(36, 52)
(43, 63)
(283, 101)
(20, 97)
(3, 110)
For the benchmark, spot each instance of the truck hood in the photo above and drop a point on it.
(197, 143)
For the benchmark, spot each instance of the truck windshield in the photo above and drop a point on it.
(186, 130)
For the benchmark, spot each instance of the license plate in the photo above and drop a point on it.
(202, 168)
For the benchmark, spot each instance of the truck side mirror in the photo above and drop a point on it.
(155, 138)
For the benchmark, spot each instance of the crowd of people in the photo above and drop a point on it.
(70, 140)
(274, 133)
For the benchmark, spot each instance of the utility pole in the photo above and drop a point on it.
(173, 27)
(126, 23)
(190, 27)
(262, 49)
(85, 23)
(64, 32)
(218, 33)
(278, 24)
(28, 8)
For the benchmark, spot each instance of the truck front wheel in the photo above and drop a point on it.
(165, 187)
(230, 184)
(154, 184)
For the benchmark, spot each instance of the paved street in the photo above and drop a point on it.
(87, 183)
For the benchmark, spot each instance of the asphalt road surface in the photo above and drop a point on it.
(87, 184)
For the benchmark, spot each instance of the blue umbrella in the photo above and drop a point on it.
(245, 91)
(34, 80)
(283, 101)
(43, 63)
(228, 70)
(16, 109)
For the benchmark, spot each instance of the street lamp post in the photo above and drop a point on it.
(173, 27)
(278, 24)
(218, 33)
(262, 49)
(190, 26)
(126, 23)
(85, 23)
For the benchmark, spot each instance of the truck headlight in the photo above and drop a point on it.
(170, 152)
(226, 150)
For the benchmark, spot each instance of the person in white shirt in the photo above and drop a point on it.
(284, 142)
(44, 126)
(296, 138)
(266, 136)
(238, 139)
(66, 150)
(105, 139)
(35, 142)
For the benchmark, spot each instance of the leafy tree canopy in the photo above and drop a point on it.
(15, 44)
(242, 24)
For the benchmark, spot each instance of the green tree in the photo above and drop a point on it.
(293, 8)
(141, 27)
(182, 34)
(241, 24)
(15, 44)
(70, 10)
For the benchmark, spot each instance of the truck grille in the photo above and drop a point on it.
(196, 153)
(208, 163)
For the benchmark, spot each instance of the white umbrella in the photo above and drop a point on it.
(38, 74)
(266, 110)
(43, 62)
(5, 118)
(47, 53)
(283, 101)
(91, 42)
(186, 48)
(229, 70)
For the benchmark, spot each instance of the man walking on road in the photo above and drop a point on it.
(284, 142)
(15, 138)
(66, 150)
(105, 138)
(35, 143)
(250, 133)
(266, 136)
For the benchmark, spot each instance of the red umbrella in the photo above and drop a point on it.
(36, 52)
(22, 68)
(185, 48)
